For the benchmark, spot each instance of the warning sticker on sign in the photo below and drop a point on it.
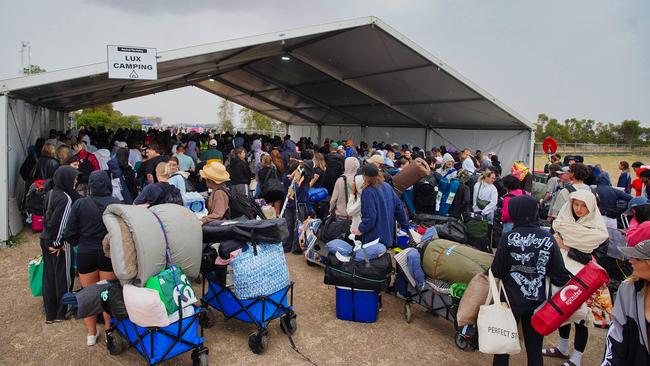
(135, 63)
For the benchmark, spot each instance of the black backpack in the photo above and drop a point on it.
(169, 194)
(425, 192)
(35, 195)
(85, 168)
(241, 205)
(497, 224)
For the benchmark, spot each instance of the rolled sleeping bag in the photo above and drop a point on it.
(137, 252)
(454, 262)
(185, 237)
(415, 171)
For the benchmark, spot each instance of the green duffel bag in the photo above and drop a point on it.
(454, 262)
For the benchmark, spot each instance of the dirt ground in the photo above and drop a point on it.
(26, 340)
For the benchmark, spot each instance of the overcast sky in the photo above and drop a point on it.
(585, 59)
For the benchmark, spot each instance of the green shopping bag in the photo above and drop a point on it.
(36, 275)
(172, 284)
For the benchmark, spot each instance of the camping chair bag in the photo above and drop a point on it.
(411, 174)
(261, 231)
(454, 262)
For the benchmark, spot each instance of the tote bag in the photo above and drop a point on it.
(36, 276)
(497, 328)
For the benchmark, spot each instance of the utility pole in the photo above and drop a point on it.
(26, 47)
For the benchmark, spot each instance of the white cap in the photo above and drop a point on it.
(213, 142)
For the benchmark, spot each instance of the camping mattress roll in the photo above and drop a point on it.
(413, 172)
(454, 262)
(137, 240)
(139, 252)
(185, 237)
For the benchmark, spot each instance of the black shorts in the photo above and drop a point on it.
(91, 262)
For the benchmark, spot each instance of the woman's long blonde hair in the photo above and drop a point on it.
(319, 161)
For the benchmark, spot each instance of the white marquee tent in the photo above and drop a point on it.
(357, 79)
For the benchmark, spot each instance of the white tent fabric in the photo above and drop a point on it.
(358, 79)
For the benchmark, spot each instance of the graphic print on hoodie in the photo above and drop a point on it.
(526, 256)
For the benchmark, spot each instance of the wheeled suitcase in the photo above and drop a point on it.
(410, 175)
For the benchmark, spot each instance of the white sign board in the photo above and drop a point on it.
(135, 63)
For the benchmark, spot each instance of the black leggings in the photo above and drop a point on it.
(582, 335)
(532, 340)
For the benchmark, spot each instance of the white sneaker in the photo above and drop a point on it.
(92, 340)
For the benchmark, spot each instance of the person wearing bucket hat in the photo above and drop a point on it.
(639, 229)
(627, 338)
(447, 170)
(216, 175)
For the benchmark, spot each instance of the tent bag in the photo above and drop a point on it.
(473, 298)
(569, 299)
(454, 262)
(365, 275)
(261, 231)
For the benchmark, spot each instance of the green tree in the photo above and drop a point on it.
(105, 115)
(256, 120)
(33, 69)
(225, 115)
(630, 131)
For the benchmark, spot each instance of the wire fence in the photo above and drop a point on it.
(596, 149)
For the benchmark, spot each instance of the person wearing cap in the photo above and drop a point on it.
(335, 164)
(628, 336)
(380, 208)
(447, 169)
(578, 173)
(216, 176)
(212, 155)
(154, 157)
(185, 163)
(378, 161)
(639, 229)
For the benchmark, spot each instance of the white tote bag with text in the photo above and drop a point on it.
(497, 328)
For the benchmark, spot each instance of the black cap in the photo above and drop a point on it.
(370, 170)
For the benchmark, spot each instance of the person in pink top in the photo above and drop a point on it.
(513, 185)
(639, 230)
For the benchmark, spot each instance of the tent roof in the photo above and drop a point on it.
(355, 72)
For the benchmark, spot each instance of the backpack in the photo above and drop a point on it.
(425, 193)
(497, 224)
(241, 205)
(85, 168)
(35, 196)
(189, 185)
(169, 194)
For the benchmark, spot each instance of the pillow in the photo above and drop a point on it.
(145, 307)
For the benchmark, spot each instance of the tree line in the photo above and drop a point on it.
(575, 130)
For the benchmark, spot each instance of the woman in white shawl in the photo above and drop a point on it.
(579, 230)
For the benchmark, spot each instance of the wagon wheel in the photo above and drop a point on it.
(462, 342)
(200, 357)
(116, 343)
(258, 342)
(408, 314)
(288, 323)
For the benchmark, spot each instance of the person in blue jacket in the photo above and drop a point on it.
(380, 208)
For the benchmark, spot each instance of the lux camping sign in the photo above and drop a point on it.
(135, 63)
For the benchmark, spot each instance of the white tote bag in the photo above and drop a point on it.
(497, 328)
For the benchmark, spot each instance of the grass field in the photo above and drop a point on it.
(608, 162)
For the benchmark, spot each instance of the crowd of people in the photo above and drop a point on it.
(87, 170)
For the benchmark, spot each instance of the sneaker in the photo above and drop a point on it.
(92, 340)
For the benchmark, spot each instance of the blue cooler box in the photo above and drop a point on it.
(357, 305)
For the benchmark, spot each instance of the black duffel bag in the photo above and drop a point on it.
(259, 231)
(453, 229)
(363, 275)
(334, 228)
(113, 301)
(426, 219)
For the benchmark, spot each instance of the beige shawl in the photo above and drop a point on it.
(586, 233)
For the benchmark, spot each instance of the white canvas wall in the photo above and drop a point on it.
(24, 123)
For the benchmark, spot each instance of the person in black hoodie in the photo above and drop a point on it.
(335, 164)
(240, 174)
(523, 260)
(57, 254)
(85, 229)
